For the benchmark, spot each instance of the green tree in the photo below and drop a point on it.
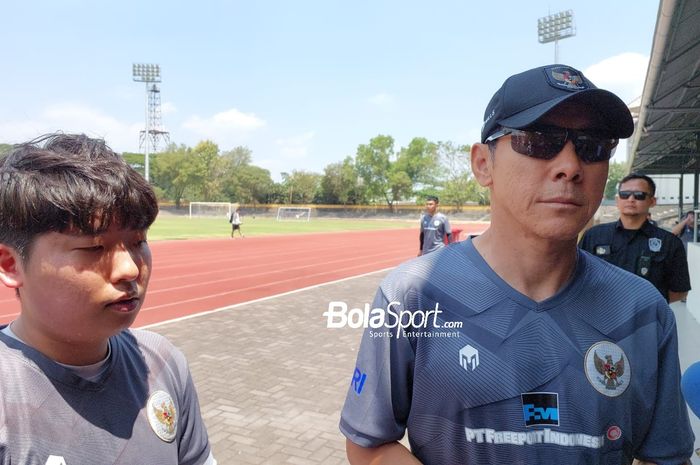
(209, 169)
(373, 164)
(459, 185)
(254, 184)
(136, 160)
(237, 157)
(419, 160)
(4, 149)
(301, 186)
(174, 171)
(393, 177)
(278, 193)
(340, 184)
(616, 172)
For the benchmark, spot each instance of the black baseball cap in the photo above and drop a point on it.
(526, 97)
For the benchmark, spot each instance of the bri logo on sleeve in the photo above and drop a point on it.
(358, 381)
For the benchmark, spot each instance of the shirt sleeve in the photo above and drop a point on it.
(679, 274)
(379, 396)
(669, 439)
(448, 228)
(193, 440)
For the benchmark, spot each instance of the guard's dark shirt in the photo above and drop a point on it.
(650, 252)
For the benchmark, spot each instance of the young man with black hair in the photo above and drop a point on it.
(516, 346)
(435, 228)
(76, 385)
(637, 245)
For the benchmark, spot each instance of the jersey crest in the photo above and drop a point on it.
(655, 244)
(162, 415)
(607, 368)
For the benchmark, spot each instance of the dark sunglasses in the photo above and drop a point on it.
(638, 195)
(546, 144)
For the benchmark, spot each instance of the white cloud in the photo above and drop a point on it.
(230, 120)
(296, 147)
(74, 117)
(622, 74)
(381, 100)
(228, 128)
(168, 108)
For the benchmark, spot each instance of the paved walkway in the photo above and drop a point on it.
(272, 378)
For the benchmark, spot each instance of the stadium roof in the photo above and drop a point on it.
(667, 133)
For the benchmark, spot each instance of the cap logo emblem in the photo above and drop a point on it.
(563, 77)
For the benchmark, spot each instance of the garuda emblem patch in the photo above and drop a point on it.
(607, 368)
(162, 415)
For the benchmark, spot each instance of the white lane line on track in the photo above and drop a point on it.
(262, 299)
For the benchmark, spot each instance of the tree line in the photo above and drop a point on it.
(378, 173)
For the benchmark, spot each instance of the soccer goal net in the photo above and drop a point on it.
(293, 214)
(210, 209)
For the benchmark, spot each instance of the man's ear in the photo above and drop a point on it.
(11, 270)
(482, 164)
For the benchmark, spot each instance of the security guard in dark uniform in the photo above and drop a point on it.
(636, 245)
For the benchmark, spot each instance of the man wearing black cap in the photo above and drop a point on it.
(516, 346)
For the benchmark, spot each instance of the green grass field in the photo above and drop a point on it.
(181, 227)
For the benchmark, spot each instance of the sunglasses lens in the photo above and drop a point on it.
(593, 149)
(542, 145)
(638, 195)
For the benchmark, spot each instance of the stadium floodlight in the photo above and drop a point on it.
(148, 73)
(554, 27)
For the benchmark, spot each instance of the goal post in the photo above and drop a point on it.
(293, 213)
(210, 209)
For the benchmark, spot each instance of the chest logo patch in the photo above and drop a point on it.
(614, 433)
(602, 250)
(162, 415)
(469, 358)
(436, 223)
(607, 368)
(655, 244)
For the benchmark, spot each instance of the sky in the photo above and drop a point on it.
(300, 83)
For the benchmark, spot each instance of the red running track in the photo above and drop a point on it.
(195, 276)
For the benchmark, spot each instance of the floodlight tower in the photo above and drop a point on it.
(150, 74)
(554, 27)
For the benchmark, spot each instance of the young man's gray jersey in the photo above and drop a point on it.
(434, 229)
(143, 409)
(588, 376)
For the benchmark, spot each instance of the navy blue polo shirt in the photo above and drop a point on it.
(650, 252)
